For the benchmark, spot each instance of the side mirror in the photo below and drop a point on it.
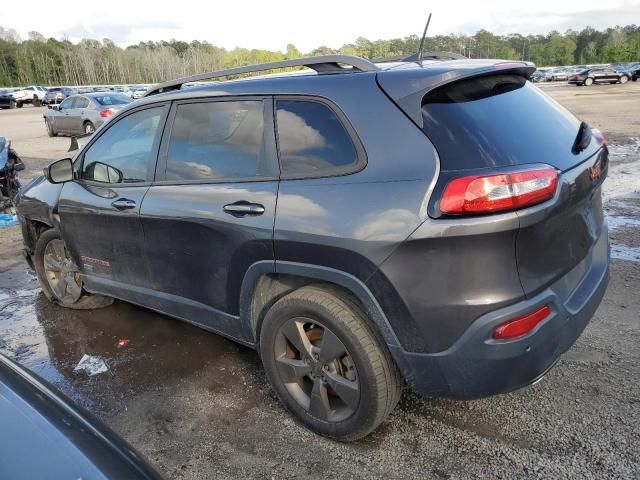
(60, 171)
(101, 172)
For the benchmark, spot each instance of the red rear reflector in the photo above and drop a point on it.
(107, 112)
(597, 134)
(521, 325)
(498, 192)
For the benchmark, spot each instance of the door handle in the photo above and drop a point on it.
(123, 204)
(242, 208)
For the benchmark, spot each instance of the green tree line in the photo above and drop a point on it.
(38, 60)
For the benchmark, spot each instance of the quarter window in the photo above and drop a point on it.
(124, 153)
(218, 141)
(312, 141)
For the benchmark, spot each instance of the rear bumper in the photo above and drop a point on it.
(477, 366)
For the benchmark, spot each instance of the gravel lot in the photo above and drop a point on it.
(198, 406)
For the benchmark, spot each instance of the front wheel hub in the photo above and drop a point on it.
(61, 272)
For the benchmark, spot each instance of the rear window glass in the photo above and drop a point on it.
(499, 120)
(114, 99)
(312, 141)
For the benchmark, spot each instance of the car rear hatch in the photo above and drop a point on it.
(483, 117)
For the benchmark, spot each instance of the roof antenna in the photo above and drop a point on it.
(424, 35)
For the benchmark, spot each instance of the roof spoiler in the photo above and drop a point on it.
(321, 64)
(408, 87)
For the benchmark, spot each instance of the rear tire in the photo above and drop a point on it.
(50, 131)
(320, 352)
(89, 128)
(19, 104)
(59, 277)
(36, 102)
(624, 79)
(588, 82)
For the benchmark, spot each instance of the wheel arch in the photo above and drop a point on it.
(266, 282)
(31, 231)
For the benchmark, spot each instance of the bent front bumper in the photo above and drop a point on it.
(477, 366)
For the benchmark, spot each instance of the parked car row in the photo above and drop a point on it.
(57, 94)
(588, 75)
(17, 97)
(38, 95)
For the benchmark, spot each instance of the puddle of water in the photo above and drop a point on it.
(621, 196)
(623, 252)
(620, 221)
(51, 340)
(624, 170)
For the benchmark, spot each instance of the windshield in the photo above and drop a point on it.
(112, 99)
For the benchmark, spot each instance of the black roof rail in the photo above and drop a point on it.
(321, 64)
(425, 56)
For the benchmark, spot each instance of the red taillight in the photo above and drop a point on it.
(477, 194)
(597, 134)
(521, 325)
(107, 112)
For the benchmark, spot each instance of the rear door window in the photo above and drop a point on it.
(312, 140)
(218, 141)
(81, 102)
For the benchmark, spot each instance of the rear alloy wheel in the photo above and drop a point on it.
(326, 363)
(624, 79)
(59, 276)
(89, 128)
(588, 82)
(317, 369)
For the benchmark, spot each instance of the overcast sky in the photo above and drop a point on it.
(272, 24)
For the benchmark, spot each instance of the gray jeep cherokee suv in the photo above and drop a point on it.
(363, 226)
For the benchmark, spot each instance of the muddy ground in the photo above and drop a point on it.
(198, 406)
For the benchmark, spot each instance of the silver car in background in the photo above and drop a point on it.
(139, 92)
(82, 114)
